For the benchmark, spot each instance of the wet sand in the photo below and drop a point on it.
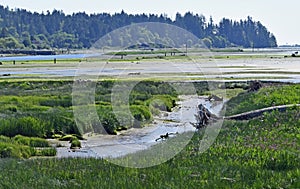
(204, 68)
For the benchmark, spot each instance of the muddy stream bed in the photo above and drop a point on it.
(133, 140)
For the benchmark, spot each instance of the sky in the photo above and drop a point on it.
(280, 17)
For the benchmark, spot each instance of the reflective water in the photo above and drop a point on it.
(47, 57)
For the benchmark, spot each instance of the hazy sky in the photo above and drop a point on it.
(280, 17)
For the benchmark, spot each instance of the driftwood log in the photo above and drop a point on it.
(214, 98)
(260, 112)
(166, 136)
(254, 86)
(203, 117)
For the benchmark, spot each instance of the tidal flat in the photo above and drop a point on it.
(36, 98)
(270, 65)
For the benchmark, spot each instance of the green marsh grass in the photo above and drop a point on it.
(251, 154)
(259, 153)
(265, 97)
(75, 143)
(24, 147)
(44, 108)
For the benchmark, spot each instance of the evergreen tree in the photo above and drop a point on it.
(23, 29)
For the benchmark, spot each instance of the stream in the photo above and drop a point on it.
(133, 140)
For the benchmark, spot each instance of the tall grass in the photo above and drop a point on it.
(44, 109)
(252, 154)
(260, 153)
(31, 141)
(27, 126)
(24, 147)
(265, 97)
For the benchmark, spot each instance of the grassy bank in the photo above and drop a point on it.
(45, 108)
(260, 153)
(248, 155)
(24, 147)
(266, 97)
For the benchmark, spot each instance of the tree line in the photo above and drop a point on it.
(22, 29)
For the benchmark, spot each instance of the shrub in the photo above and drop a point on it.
(109, 122)
(75, 143)
(141, 115)
(162, 102)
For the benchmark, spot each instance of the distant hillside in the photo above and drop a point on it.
(21, 29)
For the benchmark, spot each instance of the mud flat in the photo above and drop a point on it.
(267, 68)
(133, 140)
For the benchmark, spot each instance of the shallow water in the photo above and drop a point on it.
(133, 140)
(65, 72)
(47, 57)
(279, 69)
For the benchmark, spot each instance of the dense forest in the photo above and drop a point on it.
(21, 29)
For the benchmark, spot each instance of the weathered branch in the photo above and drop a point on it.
(203, 117)
(260, 112)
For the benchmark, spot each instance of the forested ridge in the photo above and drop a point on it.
(22, 29)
